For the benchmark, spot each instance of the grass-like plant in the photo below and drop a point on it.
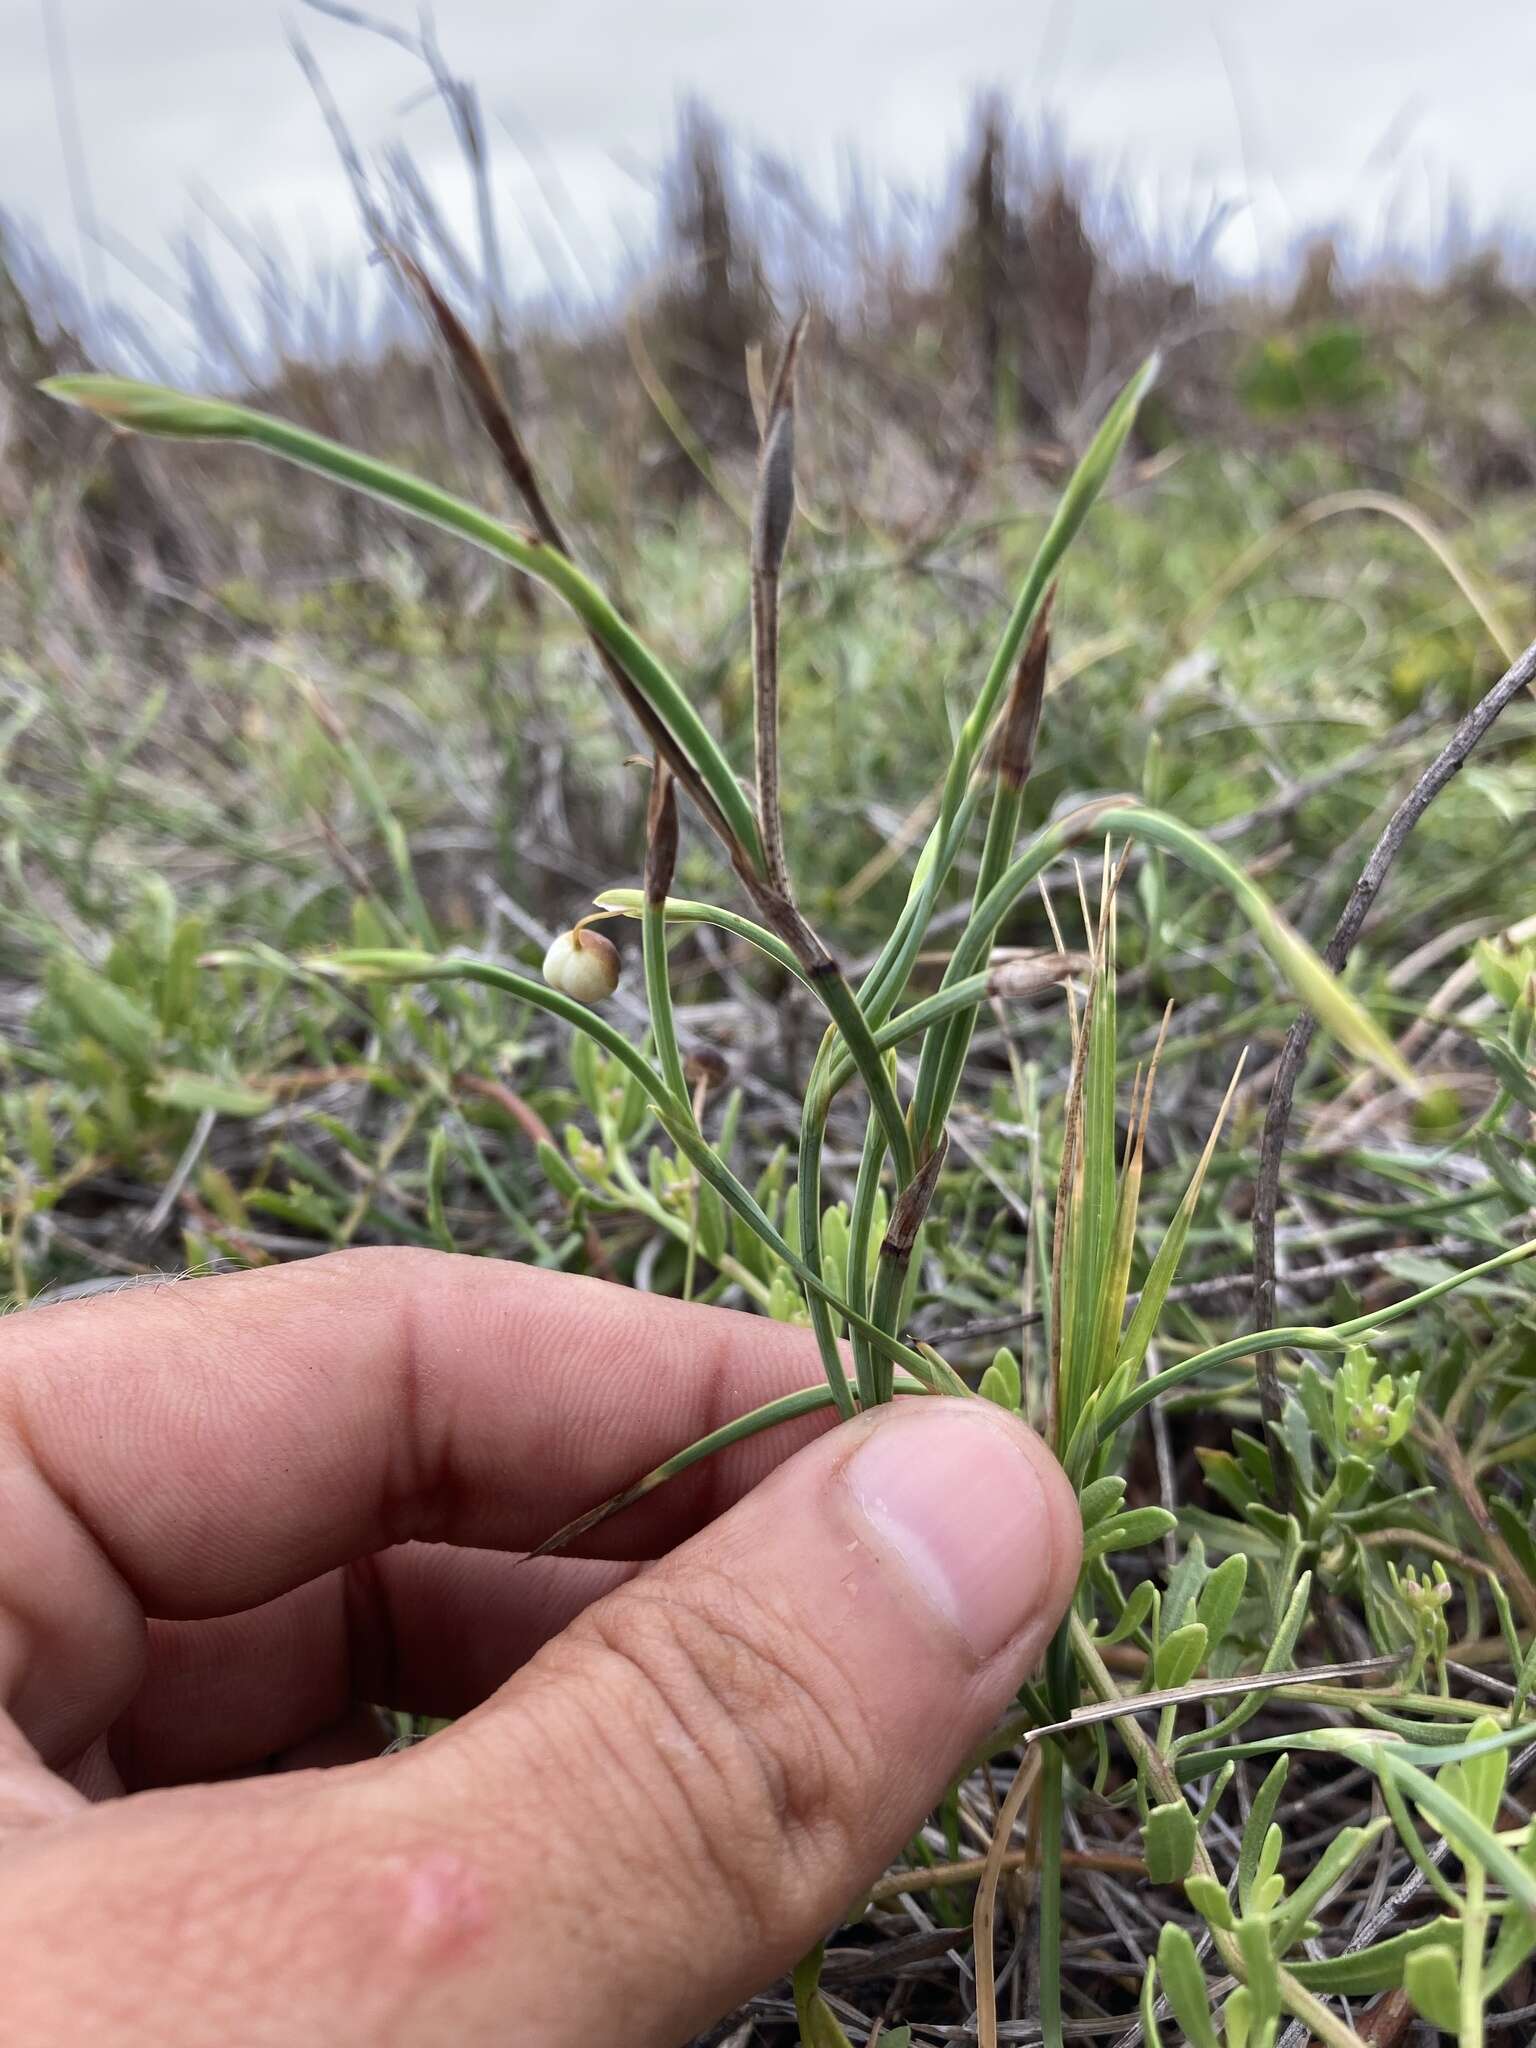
(855, 1269)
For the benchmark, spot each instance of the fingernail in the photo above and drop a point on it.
(959, 1502)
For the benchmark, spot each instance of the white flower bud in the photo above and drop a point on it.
(583, 964)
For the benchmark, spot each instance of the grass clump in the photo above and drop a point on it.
(887, 1235)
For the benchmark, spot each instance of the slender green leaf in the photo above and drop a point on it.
(150, 409)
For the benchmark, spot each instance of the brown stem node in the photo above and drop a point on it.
(1013, 745)
(912, 1206)
(660, 834)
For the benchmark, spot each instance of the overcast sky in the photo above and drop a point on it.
(1300, 110)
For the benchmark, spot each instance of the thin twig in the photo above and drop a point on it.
(485, 394)
(1214, 1289)
(933, 1876)
(1128, 1704)
(1446, 764)
(1464, 1480)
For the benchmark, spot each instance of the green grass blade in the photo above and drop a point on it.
(682, 910)
(1337, 1010)
(150, 409)
(1076, 502)
(675, 1117)
(787, 1408)
(1318, 1337)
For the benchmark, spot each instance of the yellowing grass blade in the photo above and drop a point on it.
(1133, 1346)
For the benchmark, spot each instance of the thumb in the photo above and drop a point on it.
(677, 1797)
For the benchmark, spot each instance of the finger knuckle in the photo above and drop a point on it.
(747, 1730)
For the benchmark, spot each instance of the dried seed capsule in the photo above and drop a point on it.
(583, 964)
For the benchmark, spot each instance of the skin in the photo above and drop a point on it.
(238, 1514)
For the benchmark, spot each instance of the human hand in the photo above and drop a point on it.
(668, 1780)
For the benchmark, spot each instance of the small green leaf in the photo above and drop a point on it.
(1498, 975)
(1184, 1583)
(103, 1010)
(1316, 1398)
(1432, 1979)
(1221, 1596)
(1452, 1817)
(39, 1130)
(1268, 1884)
(181, 975)
(834, 1246)
(1137, 1607)
(1513, 1073)
(1179, 1656)
(1525, 1684)
(1260, 1816)
(586, 1070)
(1168, 1841)
(1237, 2020)
(1253, 1938)
(1183, 1982)
(1515, 1530)
(1517, 1936)
(437, 1173)
(1277, 1658)
(1002, 1381)
(1341, 1854)
(1378, 1968)
(711, 1214)
(818, 2024)
(1483, 1776)
(197, 1092)
(1099, 1501)
(556, 1171)
(1210, 1901)
(1130, 1531)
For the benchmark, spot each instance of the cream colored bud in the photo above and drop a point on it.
(583, 964)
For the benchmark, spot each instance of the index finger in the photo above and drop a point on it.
(219, 1441)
